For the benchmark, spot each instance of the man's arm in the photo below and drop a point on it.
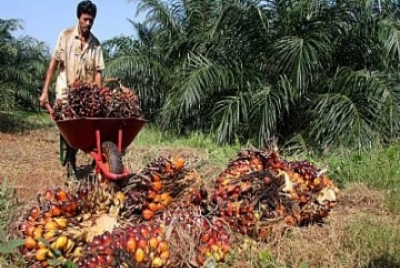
(98, 79)
(49, 75)
(55, 60)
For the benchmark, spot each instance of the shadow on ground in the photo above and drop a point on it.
(13, 123)
(383, 261)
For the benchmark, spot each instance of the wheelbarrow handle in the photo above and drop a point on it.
(48, 108)
(112, 79)
(46, 105)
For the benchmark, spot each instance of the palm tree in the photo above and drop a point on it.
(317, 74)
(23, 62)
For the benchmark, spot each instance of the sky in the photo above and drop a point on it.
(44, 19)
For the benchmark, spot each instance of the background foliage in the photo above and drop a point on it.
(315, 75)
(23, 64)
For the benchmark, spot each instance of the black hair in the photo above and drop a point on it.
(86, 7)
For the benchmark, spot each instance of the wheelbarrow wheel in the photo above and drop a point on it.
(111, 157)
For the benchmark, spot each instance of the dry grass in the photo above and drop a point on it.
(30, 161)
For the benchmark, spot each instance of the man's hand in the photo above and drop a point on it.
(44, 98)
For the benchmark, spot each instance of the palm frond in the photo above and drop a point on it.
(199, 76)
(231, 116)
(300, 58)
(268, 104)
(348, 112)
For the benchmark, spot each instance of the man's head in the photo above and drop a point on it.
(86, 12)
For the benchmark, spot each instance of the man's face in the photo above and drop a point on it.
(85, 23)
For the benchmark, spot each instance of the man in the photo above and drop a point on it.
(79, 56)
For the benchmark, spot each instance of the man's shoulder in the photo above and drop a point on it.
(95, 40)
(67, 31)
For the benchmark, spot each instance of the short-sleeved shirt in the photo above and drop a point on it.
(76, 63)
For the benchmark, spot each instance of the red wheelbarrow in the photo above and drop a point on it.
(103, 138)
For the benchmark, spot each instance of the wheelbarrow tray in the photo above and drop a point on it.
(80, 133)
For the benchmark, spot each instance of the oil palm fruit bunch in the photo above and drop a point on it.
(194, 237)
(62, 110)
(249, 202)
(307, 186)
(62, 220)
(141, 245)
(87, 100)
(122, 103)
(260, 187)
(152, 190)
(312, 189)
(83, 100)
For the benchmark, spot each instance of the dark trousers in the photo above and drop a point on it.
(70, 156)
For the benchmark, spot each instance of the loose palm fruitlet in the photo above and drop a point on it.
(151, 191)
(85, 100)
(142, 245)
(259, 187)
(62, 220)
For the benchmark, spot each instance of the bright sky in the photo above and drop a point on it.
(44, 19)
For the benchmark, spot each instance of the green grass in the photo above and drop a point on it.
(150, 136)
(20, 122)
(379, 169)
(375, 239)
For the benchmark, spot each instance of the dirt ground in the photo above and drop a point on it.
(30, 163)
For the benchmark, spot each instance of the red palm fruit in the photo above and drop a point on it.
(156, 186)
(162, 246)
(160, 206)
(139, 255)
(30, 243)
(151, 194)
(29, 230)
(205, 237)
(142, 243)
(153, 207)
(155, 177)
(61, 195)
(178, 163)
(144, 231)
(153, 242)
(165, 255)
(131, 245)
(34, 213)
(55, 210)
(48, 194)
(147, 214)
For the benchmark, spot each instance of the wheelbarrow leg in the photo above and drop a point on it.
(71, 157)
